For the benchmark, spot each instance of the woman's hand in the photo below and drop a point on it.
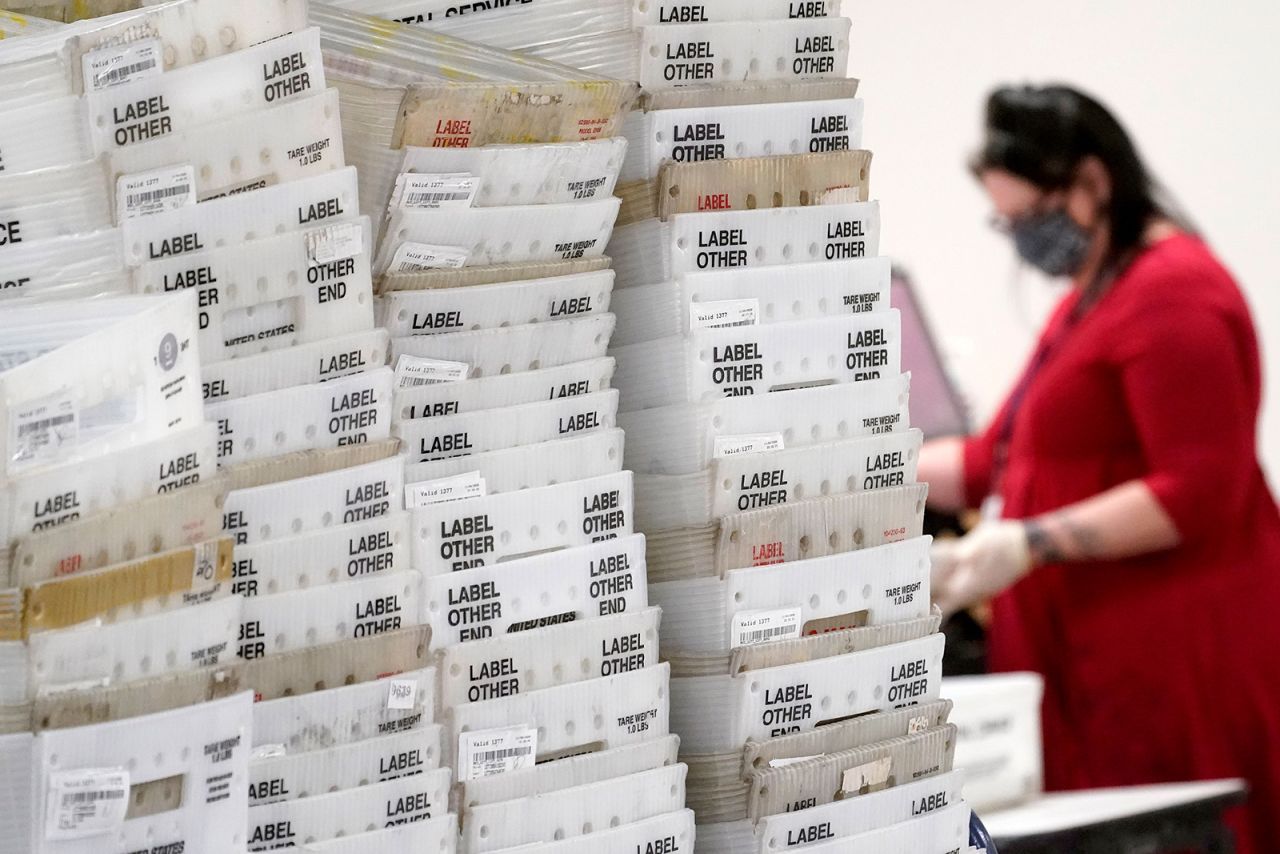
(992, 557)
(1122, 522)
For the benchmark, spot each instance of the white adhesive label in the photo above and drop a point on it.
(496, 751)
(110, 66)
(784, 761)
(752, 627)
(335, 243)
(415, 257)
(722, 314)
(454, 190)
(86, 802)
(402, 694)
(268, 751)
(156, 191)
(457, 488)
(735, 446)
(867, 776)
(42, 430)
(414, 371)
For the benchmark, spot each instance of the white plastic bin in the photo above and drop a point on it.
(999, 743)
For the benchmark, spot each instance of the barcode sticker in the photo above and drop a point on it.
(452, 190)
(869, 777)
(496, 751)
(335, 243)
(456, 488)
(111, 66)
(415, 257)
(749, 628)
(86, 802)
(413, 371)
(402, 694)
(157, 191)
(724, 314)
(42, 430)
(756, 443)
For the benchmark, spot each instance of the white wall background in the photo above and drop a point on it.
(1194, 81)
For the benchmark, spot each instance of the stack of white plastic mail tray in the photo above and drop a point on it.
(495, 293)
(767, 424)
(115, 576)
(111, 500)
(405, 89)
(205, 133)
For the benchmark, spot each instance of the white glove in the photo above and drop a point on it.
(991, 558)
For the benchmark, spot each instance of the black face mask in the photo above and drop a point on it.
(1051, 242)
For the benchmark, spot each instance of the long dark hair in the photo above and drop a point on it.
(1042, 133)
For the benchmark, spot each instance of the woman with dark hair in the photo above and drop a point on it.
(1129, 542)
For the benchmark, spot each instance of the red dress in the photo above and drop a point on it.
(1164, 667)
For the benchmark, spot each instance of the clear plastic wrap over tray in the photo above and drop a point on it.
(511, 26)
